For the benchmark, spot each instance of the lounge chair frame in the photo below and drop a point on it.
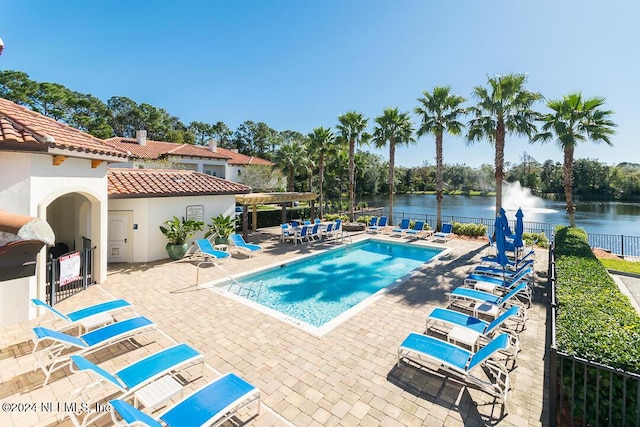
(88, 317)
(499, 388)
(164, 364)
(239, 245)
(246, 400)
(58, 354)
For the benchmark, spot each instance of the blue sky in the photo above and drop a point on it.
(299, 64)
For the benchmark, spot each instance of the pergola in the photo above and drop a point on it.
(253, 199)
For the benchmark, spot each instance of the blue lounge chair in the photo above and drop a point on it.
(88, 317)
(205, 248)
(507, 271)
(404, 226)
(57, 355)
(302, 235)
(475, 332)
(213, 404)
(382, 224)
(501, 285)
(286, 233)
(444, 234)
(484, 303)
(240, 245)
(460, 363)
(156, 372)
(315, 232)
(328, 231)
(373, 222)
(417, 230)
(337, 229)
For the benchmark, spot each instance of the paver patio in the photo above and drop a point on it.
(347, 377)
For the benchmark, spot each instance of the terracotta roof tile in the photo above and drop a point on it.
(156, 149)
(242, 159)
(24, 129)
(127, 183)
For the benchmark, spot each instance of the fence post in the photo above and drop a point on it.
(54, 261)
(622, 245)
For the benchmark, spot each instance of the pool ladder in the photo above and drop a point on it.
(249, 289)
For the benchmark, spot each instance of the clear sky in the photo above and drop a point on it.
(299, 64)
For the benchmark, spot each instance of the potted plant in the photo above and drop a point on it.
(221, 227)
(178, 232)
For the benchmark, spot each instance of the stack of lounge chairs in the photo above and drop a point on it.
(475, 339)
(133, 392)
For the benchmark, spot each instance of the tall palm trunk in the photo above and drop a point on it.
(392, 159)
(499, 160)
(439, 168)
(321, 183)
(290, 180)
(352, 178)
(568, 183)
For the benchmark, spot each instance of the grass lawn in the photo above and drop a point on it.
(621, 265)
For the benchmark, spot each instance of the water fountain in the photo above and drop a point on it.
(516, 196)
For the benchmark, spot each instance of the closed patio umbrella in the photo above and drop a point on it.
(517, 239)
(501, 255)
(505, 222)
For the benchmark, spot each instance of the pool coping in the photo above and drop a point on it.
(342, 317)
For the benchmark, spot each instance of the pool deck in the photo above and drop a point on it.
(347, 377)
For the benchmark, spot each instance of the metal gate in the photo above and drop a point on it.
(54, 289)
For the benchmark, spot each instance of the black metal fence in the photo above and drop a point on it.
(56, 291)
(585, 393)
(617, 244)
(529, 226)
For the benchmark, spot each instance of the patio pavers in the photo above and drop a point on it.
(347, 377)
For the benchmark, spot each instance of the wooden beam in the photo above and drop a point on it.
(95, 163)
(57, 160)
(255, 218)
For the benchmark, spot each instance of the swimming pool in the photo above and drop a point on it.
(318, 289)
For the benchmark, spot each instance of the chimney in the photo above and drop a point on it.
(213, 145)
(141, 137)
(235, 150)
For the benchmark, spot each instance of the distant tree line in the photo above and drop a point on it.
(331, 161)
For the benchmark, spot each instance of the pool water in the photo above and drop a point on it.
(317, 289)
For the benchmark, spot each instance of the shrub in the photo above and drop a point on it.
(333, 217)
(469, 229)
(595, 321)
(365, 219)
(538, 239)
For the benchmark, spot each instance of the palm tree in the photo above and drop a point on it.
(440, 111)
(575, 120)
(503, 109)
(394, 128)
(351, 128)
(288, 159)
(322, 143)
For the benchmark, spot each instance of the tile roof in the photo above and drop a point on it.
(156, 149)
(129, 183)
(242, 159)
(22, 129)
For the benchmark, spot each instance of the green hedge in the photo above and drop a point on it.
(595, 320)
(469, 229)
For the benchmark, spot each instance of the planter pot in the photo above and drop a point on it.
(221, 240)
(176, 252)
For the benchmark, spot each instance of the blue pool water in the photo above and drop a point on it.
(319, 288)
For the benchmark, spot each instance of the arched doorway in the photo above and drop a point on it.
(77, 219)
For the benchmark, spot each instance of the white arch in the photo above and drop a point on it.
(97, 223)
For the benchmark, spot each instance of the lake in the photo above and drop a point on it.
(594, 217)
